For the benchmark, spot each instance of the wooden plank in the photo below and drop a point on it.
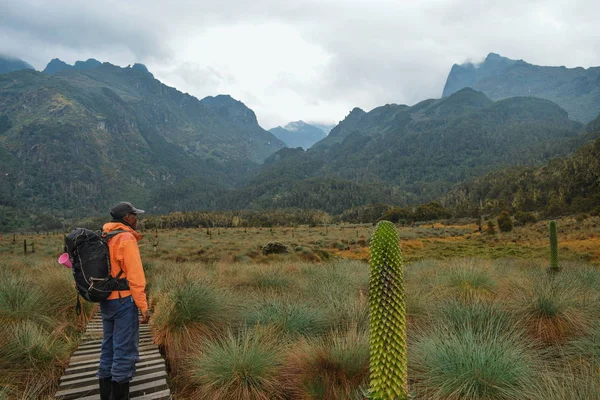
(87, 384)
(96, 357)
(162, 395)
(93, 365)
(86, 352)
(77, 379)
(90, 346)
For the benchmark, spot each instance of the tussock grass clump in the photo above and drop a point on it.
(288, 317)
(332, 367)
(585, 349)
(468, 281)
(192, 302)
(20, 300)
(345, 312)
(26, 347)
(274, 280)
(550, 308)
(570, 385)
(238, 367)
(478, 316)
(468, 363)
(187, 314)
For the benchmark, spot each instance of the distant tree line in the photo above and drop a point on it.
(568, 185)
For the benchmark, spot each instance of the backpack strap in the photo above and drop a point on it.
(106, 236)
(109, 235)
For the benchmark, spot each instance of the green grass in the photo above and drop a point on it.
(238, 367)
(468, 318)
(477, 316)
(335, 366)
(468, 281)
(473, 363)
(288, 317)
(27, 345)
(552, 308)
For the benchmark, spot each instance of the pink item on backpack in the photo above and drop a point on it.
(64, 260)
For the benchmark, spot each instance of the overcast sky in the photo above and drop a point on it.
(302, 59)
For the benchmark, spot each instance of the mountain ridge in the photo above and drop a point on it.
(12, 64)
(577, 90)
(119, 131)
(298, 134)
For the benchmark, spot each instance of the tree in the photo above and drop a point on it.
(505, 222)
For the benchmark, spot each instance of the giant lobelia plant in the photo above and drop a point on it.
(554, 267)
(388, 360)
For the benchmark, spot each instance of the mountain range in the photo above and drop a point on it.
(406, 155)
(577, 90)
(76, 138)
(300, 134)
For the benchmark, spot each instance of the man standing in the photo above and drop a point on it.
(120, 324)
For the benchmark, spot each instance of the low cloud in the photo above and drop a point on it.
(305, 59)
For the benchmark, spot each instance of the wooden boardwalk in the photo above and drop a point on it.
(79, 380)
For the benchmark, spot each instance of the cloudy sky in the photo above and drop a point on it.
(304, 59)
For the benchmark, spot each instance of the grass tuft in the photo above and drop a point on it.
(332, 367)
(242, 366)
(290, 318)
(468, 281)
(472, 364)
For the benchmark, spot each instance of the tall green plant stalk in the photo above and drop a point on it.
(554, 267)
(388, 360)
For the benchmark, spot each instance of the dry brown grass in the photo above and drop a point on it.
(451, 268)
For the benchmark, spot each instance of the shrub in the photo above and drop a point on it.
(504, 222)
(274, 248)
(491, 228)
(525, 217)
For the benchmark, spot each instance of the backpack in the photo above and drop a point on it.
(88, 251)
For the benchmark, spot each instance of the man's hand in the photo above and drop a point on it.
(145, 317)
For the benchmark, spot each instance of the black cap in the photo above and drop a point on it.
(123, 208)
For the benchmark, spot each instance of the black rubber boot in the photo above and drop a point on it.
(105, 388)
(120, 391)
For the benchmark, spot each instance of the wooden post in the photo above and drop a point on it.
(24, 246)
(155, 240)
(32, 247)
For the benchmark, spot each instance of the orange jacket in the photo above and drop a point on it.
(125, 256)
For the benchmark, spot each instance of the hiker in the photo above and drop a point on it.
(120, 324)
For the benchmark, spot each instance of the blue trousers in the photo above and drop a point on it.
(120, 344)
